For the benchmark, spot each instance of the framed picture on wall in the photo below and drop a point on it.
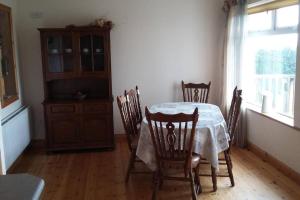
(8, 84)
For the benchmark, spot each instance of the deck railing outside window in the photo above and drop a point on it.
(279, 87)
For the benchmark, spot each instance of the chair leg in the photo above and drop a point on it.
(194, 196)
(130, 164)
(229, 157)
(197, 179)
(229, 167)
(156, 183)
(214, 178)
(161, 182)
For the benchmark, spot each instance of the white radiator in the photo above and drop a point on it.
(15, 136)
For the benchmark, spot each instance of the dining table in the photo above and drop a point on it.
(211, 135)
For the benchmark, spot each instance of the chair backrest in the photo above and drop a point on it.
(195, 92)
(139, 103)
(134, 105)
(234, 113)
(129, 126)
(172, 136)
(229, 115)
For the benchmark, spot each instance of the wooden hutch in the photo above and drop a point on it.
(77, 82)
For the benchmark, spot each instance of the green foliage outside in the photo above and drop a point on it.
(276, 62)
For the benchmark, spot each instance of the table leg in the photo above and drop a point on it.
(214, 178)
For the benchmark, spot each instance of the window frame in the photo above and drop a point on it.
(274, 31)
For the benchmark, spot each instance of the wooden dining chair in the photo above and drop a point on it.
(134, 105)
(235, 95)
(232, 121)
(232, 129)
(195, 92)
(132, 133)
(172, 137)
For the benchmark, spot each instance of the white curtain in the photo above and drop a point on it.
(233, 68)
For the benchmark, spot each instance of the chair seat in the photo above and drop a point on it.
(172, 164)
(195, 160)
(21, 186)
(135, 138)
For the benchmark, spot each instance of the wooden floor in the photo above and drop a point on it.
(100, 175)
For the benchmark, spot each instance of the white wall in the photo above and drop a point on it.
(278, 140)
(155, 44)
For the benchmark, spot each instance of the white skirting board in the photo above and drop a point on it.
(15, 136)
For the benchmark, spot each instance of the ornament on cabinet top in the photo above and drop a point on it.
(101, 22)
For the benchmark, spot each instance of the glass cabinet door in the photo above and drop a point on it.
(98, 53)
(67, 56)
(86, 53)
(60, 53)
(92, 53)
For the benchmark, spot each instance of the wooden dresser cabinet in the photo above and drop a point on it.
(77, 84)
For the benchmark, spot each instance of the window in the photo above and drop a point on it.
(271, 58)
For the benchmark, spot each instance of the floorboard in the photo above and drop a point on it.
(100, 175)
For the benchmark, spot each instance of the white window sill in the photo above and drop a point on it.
(272, 115)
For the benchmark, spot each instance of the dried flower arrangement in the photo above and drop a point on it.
(101, 22)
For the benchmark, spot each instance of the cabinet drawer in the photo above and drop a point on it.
(62, 109)
(95, 108)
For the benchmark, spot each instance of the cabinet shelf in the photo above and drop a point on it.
(95, 53)
(67, 101)
(54, 53)
(59, 54)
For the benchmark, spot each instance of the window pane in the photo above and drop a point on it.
(260, 21)
(272, 66)
(287, 17)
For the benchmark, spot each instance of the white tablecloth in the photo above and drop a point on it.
(211, 135)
